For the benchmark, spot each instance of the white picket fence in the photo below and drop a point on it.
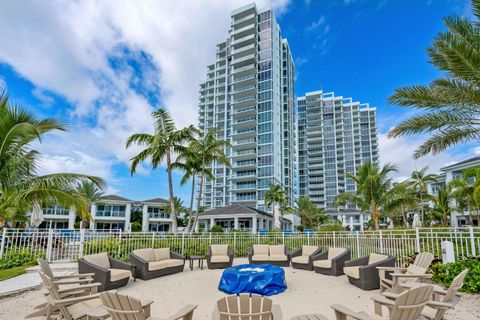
(69, 245)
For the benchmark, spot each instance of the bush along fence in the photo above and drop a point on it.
(69, 245)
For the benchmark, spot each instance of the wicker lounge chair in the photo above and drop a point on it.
(414, 272)
(278, 255)
(245, 306)
(110, 273)
(303, 257)
(363, 272)
(331, 262)
(128, 308)
(71, 308)
(219, 256)
(407, 306)
(154, 263)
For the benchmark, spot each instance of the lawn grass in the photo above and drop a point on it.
(12, 272)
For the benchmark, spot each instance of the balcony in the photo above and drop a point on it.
(251, 142)
(245, 133)
(245, 165)
(250, 88)
(248, 18)
(244, 101)
(245, 187)
(244, 80)
(245, 70)
(243, 31)
(245, 60)
(244, 41)
(251, 110)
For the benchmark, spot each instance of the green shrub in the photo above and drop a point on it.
(444, 274)
(332, 226)
(216, 228)
(136, 226)
(22, 257)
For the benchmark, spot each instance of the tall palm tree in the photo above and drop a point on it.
(420, 179)
(191, 164)
(92, 193)
(442, 208)
(161, 146)
(450, 105)
(310, 215)
(373, 190)
(466, 191)
(402, 201)
(208, 149)
(20, 186)
(179, 208)
(274, 196)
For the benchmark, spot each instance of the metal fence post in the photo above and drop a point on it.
(153, 239)
(82, 240)
(381, 241)
(417, 239)
(358, 244)
(183, 244)
(334, 240)
(472, 242)
(283, 238)
(49, 245)
(234, 241)
(2, 245)
(209, 238)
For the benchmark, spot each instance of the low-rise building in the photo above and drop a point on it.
(239, 217)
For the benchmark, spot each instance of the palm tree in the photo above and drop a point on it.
(402, 201)
(179, 208)
(420, 179)
(442, 208)
(466, 191)
(450, 105)
(92, 193)
(159, 147)
(373, 190)
(191, 164)
(310, 215)
(20, 186)
(274, 196)
(208, 149)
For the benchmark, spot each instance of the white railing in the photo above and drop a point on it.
(69, 245)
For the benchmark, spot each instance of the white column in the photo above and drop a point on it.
(197, 226)
(235, 222)
(254, 224)
(361, 222)
(93, 212)
(71, 218)
(128, 213)
(212, 223)
(145, 218)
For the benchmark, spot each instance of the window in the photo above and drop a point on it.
(264, 16)
(265, 106)
(265, 45)
(265, 138)
(265, 161)
(262, 96)
(264, 26)
(265, 171)
(265, 75)
(265, 55)
(265, 35)
(265, 127)
(265, 149)
(264, 117)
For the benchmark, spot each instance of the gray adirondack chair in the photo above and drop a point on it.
(415, 272)
(121, 307)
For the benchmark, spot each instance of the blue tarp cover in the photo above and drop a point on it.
(263, 279)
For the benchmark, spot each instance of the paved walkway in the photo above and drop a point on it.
(31, 280)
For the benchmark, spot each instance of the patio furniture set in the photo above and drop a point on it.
(402, 290)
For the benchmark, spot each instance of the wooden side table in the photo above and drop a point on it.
(200, 259)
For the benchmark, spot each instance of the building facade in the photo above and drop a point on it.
(447, 174)
(248, 97)
(336, 135)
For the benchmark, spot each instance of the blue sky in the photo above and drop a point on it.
(101, 67)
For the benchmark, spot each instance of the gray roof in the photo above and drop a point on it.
(461, 163)
(156, 200)
(114, 198)
(234, 209)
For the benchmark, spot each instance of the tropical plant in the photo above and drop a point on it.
(420, 179)
(274, 196)
(92, 193)
(161, 146)
(20, 186)
(374, 190)
(466, 191)
(209, 149)
(442, 208)
(445, 273)
(310, 215)
(179, 209)
(401, 202)
(450, 105)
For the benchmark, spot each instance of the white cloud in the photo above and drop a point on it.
(317, 23)
(399, 151)
(65, 47)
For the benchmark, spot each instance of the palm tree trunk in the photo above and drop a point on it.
(421, 208)
(195, 221)
(276, 218)
(375, 216)
(173, 212)
(190, 211)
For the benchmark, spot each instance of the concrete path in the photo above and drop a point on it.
(31, 280)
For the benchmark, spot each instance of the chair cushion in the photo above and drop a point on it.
(219, 249)
(161, 254)
(308, 250)
(146, 254)
(278, 257)
(119, 274)
(261, 249)
(353, 272)
(326, 264)
(301, 259)
(162, 264)
(219, 259)
(375, 257)
(100, 259)
(260, 257)
(277, 249)
(335, 252)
